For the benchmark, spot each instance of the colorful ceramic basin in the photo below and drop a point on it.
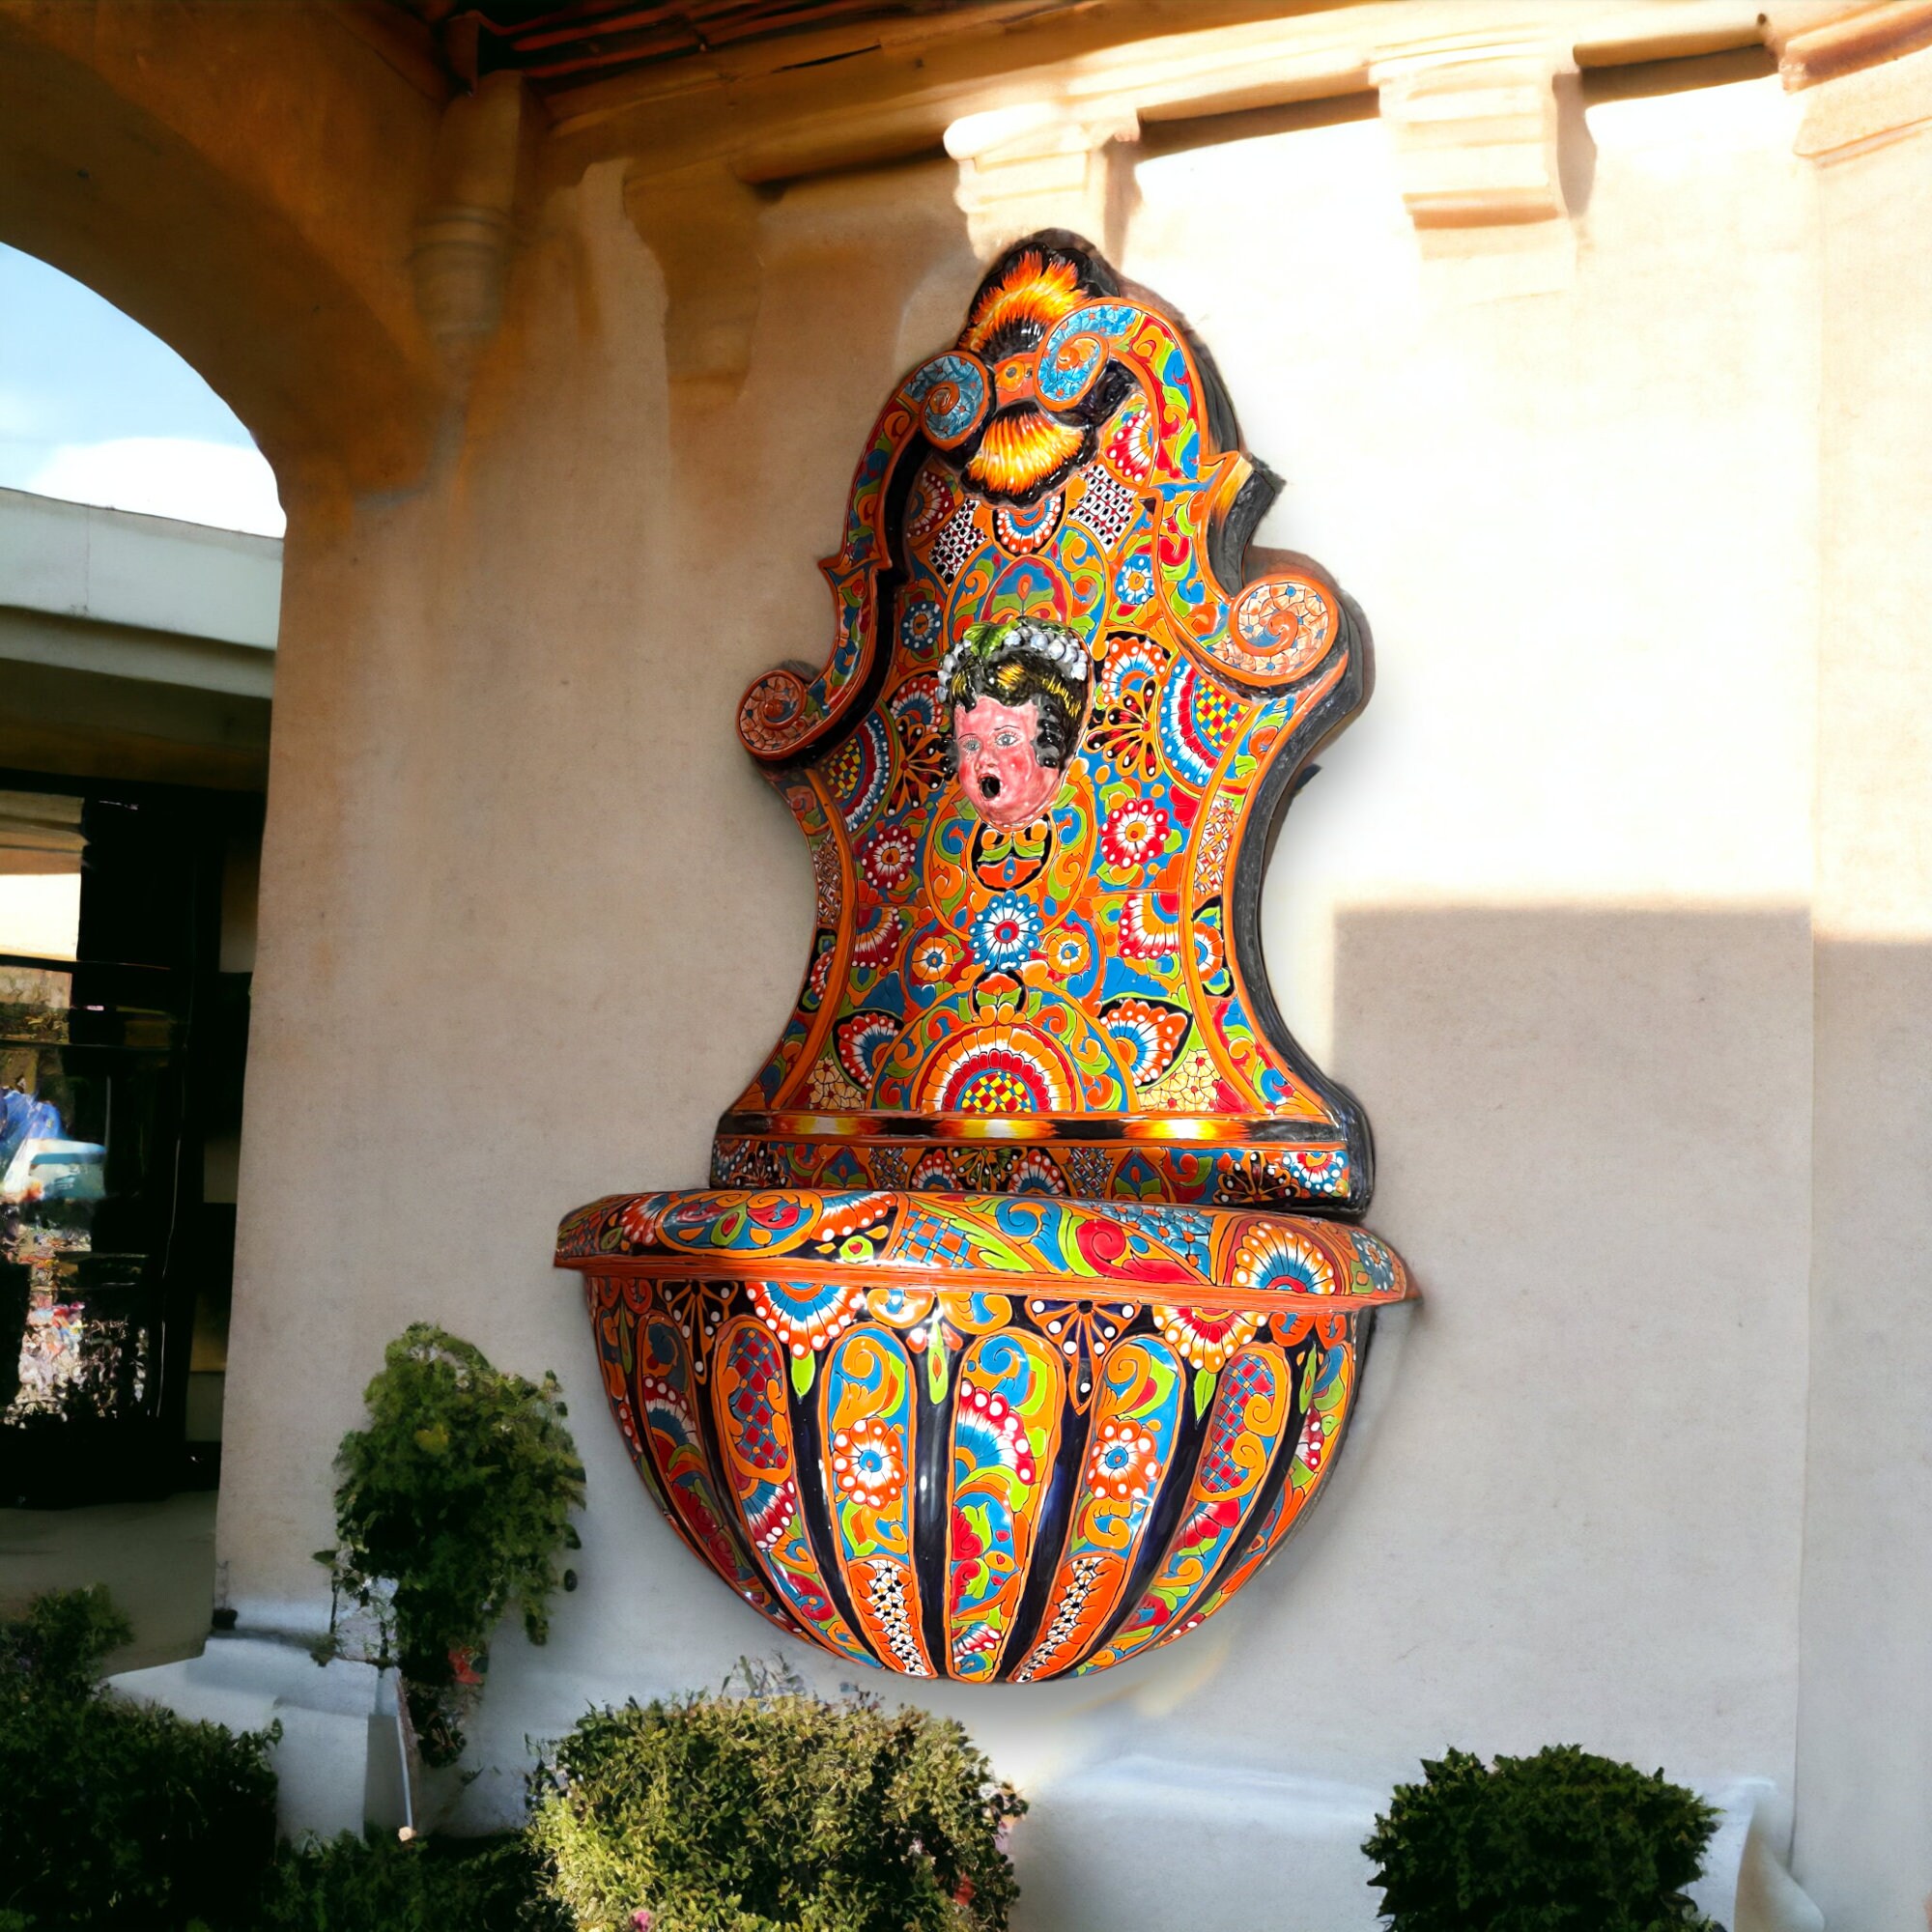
(1023, 1316)
(978, 1436)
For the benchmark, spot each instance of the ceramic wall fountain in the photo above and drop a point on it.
(1022, 1320)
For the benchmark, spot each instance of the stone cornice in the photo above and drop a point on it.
(895, 102)
(1044, 121)
(1817, 42)
(776, 112)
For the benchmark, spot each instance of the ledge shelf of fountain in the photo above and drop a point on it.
(1021, 1323)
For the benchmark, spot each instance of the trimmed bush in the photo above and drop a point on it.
(112, 1815)
(775, 1812)
(377, 1885)
(1563, 1842)
(54, 1653)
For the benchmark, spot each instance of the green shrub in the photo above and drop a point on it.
(1563, 1842)
(456, 1498)
(113, 1815)
(57, 1649)
(377, 1885)
(720, 1813)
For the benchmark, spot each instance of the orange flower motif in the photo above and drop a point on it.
(1024, 304)
(1017, 452)
(868, 1464)
(1068, 952)
(936, 958)
(1205, 1337)
(1145, 1035)
(1122, 1463)
(1277, 1260)
(1023, 448)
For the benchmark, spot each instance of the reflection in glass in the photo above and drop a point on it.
(41, 847)
(78, 1307)
(122, 1043)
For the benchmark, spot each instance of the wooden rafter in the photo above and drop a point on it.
(564, 45)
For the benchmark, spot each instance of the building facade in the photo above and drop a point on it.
(1589, 345)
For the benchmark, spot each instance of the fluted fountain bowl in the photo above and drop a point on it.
(972, 1436)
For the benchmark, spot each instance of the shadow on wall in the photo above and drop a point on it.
(1865, 1724)
(1576, 1513)
(1539, 1063)
(1594, 1139)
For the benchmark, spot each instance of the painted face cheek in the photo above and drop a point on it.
(1000, 771)
(1015, 765)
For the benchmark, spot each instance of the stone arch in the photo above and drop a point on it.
(242, 181)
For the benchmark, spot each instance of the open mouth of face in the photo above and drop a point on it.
(989, 786)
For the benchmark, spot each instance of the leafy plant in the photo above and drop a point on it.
(113, 1815)
(1564, 1841)
(453, 1503)
(775, 1811)
(377, 1885)
(55, 1651)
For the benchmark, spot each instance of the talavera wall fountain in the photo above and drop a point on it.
(1021, 1321)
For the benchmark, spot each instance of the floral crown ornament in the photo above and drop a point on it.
(983, 646)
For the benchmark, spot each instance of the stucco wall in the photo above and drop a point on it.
(1865, 1770)
(529, 920)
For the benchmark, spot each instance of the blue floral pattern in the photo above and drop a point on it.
(1008, 931)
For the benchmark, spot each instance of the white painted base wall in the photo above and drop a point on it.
(338, 1765)
(1138, 1840)
(1147, 1841)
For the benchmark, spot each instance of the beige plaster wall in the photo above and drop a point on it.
(1864, 1769)
(527, 921)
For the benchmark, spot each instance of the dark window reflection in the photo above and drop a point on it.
(119, 1070)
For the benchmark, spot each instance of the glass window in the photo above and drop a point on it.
(88, 1125)
(122, 1033)
(41, 847)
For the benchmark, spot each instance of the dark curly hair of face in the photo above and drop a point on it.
(1004, 661)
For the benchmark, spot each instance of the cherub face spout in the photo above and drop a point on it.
(1015, 692)
(1000, 769)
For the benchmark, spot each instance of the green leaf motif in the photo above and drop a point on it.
(1203, 1390)
(802, 1368)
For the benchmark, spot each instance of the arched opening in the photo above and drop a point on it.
(141, 531)
(96, 409)
(192, 173)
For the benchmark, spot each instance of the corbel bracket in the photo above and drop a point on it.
(461, 256)
(1817, 42)
(701, 223)
(1045, 165)
(1863, 70)
(1474, 128)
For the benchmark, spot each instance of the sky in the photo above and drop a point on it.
(95, 409)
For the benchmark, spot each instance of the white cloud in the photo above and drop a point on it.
(176, 476)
